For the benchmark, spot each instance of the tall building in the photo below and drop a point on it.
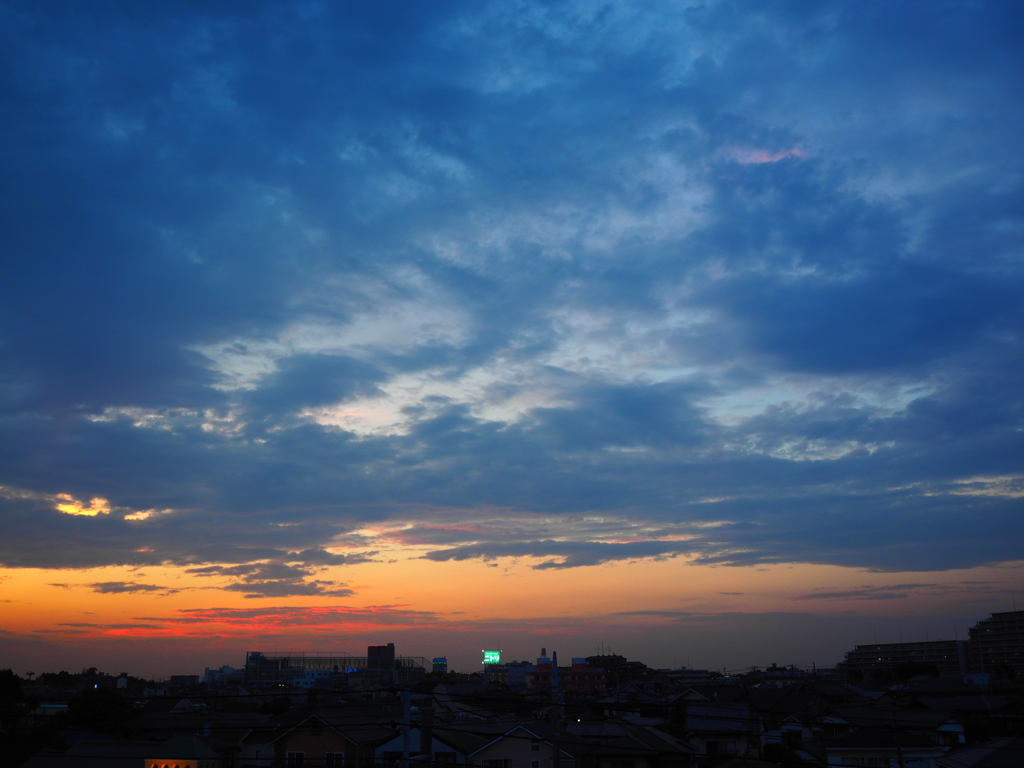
(997, 643)
(380, 662)
(879, 661)
(380, 656)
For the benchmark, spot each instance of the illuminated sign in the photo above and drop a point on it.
(492, 657)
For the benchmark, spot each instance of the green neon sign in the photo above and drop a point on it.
(492, 657)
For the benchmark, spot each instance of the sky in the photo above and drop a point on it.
(691, 331)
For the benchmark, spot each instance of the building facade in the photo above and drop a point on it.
(997, 644)
(276, 667)
(879, 662)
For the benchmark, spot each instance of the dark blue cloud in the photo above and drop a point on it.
(304, 381)
(731, 262)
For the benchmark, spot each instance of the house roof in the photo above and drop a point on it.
(746, 762)
(182, 747)
(719, 693)
(942, 687)
(461, 740)
(599, 728)
(48, 758)
(169, 703)
(689, 695)
(883, 717)
(832, 689)
(783, 701)
(979, 702)
(654, 741)
(877, 738)
(124, 754)
(1007, 752)
(358, 730)
(567, 743)
(719, 717)
(96, 754)
(231, 727)
(634, 697)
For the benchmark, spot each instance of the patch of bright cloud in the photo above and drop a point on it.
(1005, 486)
(145, 514)
(71, 506)
(752, 156)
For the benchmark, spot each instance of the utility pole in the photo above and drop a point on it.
(896, 737)
(427, 733)
(405, 728)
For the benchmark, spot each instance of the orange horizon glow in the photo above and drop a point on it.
(403, 594)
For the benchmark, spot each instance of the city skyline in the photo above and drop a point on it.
(692, 330)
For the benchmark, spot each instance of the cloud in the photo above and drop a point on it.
(747, 155)
(304, 381)
(122, 587)
(303, 616)
(571, 554)
(70, 506)
(901, 591)
(273, 580)
(866, 593)
(105, 626)
(319, 556)
(295, 274)
(288, 588)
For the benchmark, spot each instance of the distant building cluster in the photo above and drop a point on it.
(327, 670)
(994, 646)
(903, 705)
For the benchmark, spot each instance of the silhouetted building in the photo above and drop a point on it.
(380, 656)
(286, 667)
(223, 675)
(583, 679)
(618, 669)
(882, 661)
(997, 643)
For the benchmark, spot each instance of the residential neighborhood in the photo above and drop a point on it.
(901, 710)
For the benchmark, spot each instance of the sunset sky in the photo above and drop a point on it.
(691, 331)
